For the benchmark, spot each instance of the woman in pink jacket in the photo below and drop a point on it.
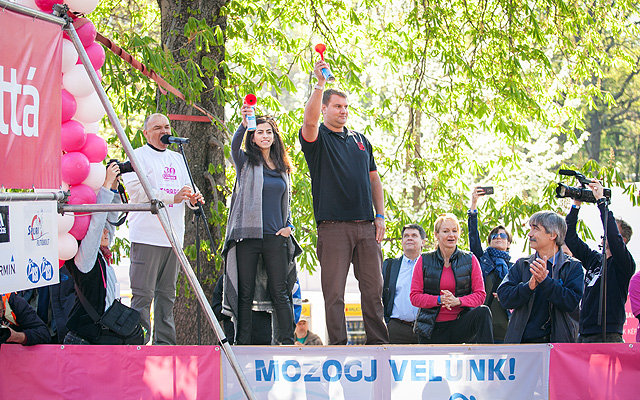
(448, 288)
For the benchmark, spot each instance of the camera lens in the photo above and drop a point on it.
(562, 191)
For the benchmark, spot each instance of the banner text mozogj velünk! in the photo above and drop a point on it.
(393, 372)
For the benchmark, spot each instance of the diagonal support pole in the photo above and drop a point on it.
(59, 17)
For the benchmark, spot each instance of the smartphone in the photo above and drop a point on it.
(487, 190)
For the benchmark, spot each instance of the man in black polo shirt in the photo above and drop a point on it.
(345, 183)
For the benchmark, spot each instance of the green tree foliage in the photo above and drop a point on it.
(450, 94)
(611, 119)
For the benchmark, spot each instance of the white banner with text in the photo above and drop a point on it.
(392, 372)
(28, 245)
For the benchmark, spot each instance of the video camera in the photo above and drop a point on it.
(581, 193)
(125, 167)
(5, 333)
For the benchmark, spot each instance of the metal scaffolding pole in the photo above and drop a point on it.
(38, 196)
(162, 211)
(90, 208)
(163, 215)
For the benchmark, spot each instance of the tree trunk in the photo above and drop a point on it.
(595, 135)
(203, 150)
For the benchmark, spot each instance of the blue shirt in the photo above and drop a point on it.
(402, 307)
(273, 189)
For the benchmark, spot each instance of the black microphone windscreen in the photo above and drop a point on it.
(567, 172)
(165, 139)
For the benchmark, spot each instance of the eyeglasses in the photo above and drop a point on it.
(500, 235)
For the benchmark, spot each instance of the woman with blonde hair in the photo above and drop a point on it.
(448, 288)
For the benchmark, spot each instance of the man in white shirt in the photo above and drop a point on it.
(399, 313)
(154, 265)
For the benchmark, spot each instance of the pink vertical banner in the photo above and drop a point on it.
(630, 328)
(30, 102)
(594, 371)
(110, 372)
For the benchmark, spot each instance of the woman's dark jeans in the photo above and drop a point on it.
(273, 249)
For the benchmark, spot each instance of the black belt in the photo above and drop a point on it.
(358, 221)
(542, 339)
(410, 323)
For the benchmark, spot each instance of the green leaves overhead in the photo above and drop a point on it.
(450, 93)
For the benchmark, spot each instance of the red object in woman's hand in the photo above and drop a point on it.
(250, 99)
(320, 48)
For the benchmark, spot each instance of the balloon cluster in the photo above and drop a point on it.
(83, 149)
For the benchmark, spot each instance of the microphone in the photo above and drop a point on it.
(168, 139)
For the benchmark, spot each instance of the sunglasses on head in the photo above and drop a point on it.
(500, 235)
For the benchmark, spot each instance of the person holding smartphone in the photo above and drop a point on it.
(495, 262)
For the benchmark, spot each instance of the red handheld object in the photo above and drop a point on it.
(250, 99)
(320, 48)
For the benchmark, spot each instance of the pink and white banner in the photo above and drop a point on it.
(109, 372)
(630, 328)
(30, 105)
(594, 371)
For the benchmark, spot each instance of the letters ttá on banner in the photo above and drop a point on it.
(30, 105)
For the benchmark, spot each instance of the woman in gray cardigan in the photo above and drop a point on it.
(259, 226)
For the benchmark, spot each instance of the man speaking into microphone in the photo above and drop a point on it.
(154, 265)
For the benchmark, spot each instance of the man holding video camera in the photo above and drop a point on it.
(620, 269)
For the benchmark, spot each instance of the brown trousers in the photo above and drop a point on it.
(341, 243)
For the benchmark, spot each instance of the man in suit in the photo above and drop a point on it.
(399, 313)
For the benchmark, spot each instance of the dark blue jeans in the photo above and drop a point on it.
(273, 250)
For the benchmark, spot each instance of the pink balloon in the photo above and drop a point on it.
(95, 149)
(81, 194)
(87, 34)
(72, 136)
(96, 54)
(74, 167)
(69, 106)
(46, 5)
(80, 226)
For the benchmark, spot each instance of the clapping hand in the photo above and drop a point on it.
(539, 272)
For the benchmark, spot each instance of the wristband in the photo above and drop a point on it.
(379, 216)
(291, 226)
(601, 200)
(318, 87)
(439, 300)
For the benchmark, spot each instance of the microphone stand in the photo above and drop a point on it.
(199, 214)
(602, 311)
